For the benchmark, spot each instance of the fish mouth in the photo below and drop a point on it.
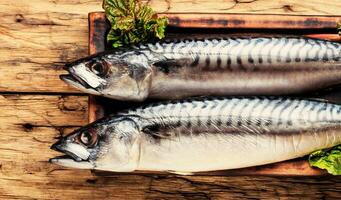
(81, 155)
(78, 83)
(74, 80)
(62, 157)
(66, 161)
(70, 159)
(68, 154)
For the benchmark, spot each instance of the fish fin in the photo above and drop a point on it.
(320, 100)
(172, 65)
(180, 173)
(155, 130)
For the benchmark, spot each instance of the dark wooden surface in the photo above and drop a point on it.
(254, 21)
(36, 38)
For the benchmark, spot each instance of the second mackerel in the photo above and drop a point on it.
(192, 67)
(204, 134)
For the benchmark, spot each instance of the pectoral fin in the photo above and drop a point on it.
(172, 65)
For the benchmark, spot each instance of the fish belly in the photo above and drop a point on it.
(217, 151)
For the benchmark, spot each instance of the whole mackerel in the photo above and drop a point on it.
(203, 135)
(230, 66)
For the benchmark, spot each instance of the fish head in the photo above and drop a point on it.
(108, 75)
(110, 144)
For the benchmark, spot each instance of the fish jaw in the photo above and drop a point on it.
(87, 76)
(69, 162)
(69, 79)
(76, 151)
(76, 156)
(82, 78)
(138, 97)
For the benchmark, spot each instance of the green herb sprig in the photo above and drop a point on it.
(132, 22)
(329, 159)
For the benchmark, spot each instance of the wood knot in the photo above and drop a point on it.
(19, 18)
(66, 103)
(244, 1)
(91, 181)
(288, 8)
(27, 127)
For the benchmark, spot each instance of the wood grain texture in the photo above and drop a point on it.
(251, 21)
(29, 124)
(37, 37)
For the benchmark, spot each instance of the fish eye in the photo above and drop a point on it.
(88, 138)
(99, 68)
(85, 138)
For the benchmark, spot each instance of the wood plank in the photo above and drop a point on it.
(29, 124)
(37, 37)
(97, 24)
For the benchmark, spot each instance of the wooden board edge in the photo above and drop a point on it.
(95, 20)
(91, 50)
(330, 37)
(285, 168)
(174, 16)
(248, 21)
(251, 21)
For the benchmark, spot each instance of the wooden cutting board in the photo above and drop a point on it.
(189, 25)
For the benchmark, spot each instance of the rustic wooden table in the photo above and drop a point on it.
(36, 38)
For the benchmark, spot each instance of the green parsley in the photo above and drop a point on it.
(132, 22)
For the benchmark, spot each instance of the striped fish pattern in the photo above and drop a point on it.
(254, 113)
(229, 66)
(243, 53)
(204, 134)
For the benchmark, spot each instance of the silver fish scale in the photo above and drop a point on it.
(254, 114)
(245, 52)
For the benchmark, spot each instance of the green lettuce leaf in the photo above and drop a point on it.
(339, 28)
(132, 22)
(327, 159)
